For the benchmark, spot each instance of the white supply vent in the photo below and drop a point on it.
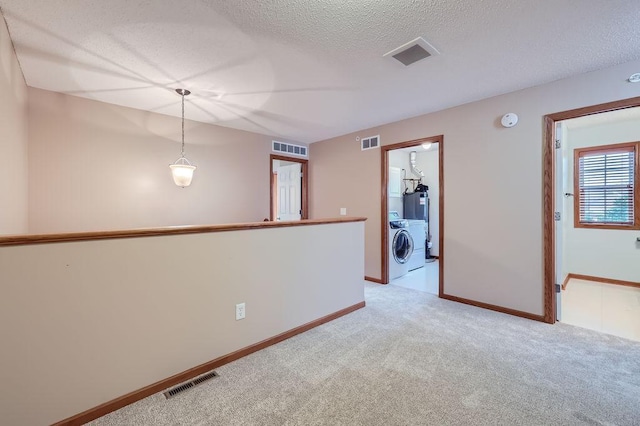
(370, 142)
(412, 52)
(290, 149)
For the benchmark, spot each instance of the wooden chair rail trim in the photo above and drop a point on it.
(599, 280)
(18, 240)
(566, 281)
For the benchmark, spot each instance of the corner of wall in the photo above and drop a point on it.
(13, 138)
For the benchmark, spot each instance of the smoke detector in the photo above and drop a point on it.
(510, 119)
(412, 52)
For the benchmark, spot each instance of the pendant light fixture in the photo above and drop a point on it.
(182, 169)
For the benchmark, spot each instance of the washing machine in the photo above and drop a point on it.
(400, 246)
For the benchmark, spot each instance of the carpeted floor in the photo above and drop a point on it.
(410, 358)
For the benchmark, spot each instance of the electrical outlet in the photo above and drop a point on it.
(240, 311)
(343, 211)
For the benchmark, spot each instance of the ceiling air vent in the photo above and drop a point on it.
(370, 142)
(290, 149)
(412, 52)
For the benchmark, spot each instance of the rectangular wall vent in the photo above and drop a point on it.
(170, 393)
(290, 149)
(412, 52)
(370, 142)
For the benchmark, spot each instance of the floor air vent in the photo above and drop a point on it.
(170, 393)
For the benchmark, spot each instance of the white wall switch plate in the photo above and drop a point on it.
(343, 211)
(240, 311)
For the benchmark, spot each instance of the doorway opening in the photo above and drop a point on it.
(289, 179)
(413, 204)
(561, 215)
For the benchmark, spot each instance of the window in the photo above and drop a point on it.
(606, 187)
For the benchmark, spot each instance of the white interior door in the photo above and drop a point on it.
(289, 192)
(560, 189)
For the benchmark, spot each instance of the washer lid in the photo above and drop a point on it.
(398, 224)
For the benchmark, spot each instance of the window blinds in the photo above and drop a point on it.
(606, 186)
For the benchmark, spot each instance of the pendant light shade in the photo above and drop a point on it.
(182, 170)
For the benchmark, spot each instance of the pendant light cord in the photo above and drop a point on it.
(182, 169)
(182, 150)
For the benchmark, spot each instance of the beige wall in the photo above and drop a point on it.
(605, 253)
(96, 166)
(492, 180)
(346, 176)
(13, 139)
(98, 319)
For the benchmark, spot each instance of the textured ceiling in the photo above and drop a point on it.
(307, 70)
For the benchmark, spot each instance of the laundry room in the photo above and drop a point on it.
(413, 197)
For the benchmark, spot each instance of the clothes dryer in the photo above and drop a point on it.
(418, 232)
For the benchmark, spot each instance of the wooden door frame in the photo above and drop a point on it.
(305, 184)
(549, 192)
(384, 151)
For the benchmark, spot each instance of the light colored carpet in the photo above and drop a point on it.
(410, 358)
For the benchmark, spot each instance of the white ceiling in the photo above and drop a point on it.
(307, 70)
